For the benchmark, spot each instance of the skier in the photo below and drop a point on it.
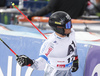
(58, 54)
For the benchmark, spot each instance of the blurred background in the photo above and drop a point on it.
(10, 15)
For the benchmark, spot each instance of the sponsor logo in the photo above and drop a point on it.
(92, 64)
(49, 50)
(59, 23)
(96, 70)
(60, 61)
(64, 65)
(61, 66)
(55, 41)
(68, 17)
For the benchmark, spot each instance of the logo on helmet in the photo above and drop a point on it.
(68, 17)
(57, 23)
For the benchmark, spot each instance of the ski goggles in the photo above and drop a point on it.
(68, 25)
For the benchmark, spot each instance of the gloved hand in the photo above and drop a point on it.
(30, 16)
(75, 64)
(24, 60)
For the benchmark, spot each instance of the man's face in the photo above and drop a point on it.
(67, 31)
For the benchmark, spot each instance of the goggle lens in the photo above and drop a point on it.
(68, 25)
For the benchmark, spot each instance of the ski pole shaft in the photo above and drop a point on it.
(9, 48)
(28, 20)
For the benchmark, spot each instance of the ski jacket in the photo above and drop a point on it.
(57, 52)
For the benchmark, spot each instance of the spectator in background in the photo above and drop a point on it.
(93, 7)
(74, 8)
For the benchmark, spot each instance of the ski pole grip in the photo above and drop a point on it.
(17, 55)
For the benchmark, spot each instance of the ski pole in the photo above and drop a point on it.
(9, 48)
(28, 20)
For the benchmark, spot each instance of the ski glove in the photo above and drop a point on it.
(75, 64)
(24, 60)
(30, 16)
